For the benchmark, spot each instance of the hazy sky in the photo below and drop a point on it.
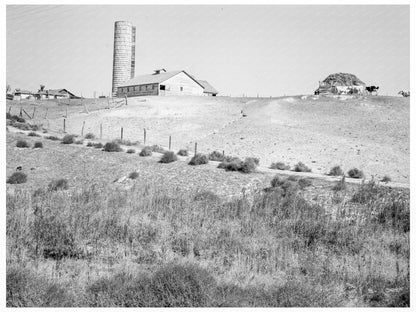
(270, 50)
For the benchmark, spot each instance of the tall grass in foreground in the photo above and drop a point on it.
(100, 246)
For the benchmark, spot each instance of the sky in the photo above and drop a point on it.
(246, 50)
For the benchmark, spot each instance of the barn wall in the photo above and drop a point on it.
(189, 86)
(139, 90)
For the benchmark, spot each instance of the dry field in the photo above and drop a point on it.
(370, 133)
(181, 235)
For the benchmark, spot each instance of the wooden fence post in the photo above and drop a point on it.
(64, 125)
(170, 141)
(144, 136)
(21, 111)
(125, 97)
(121, 133)
(82, 130)
(34, 110)
(10, 108)
(196, 147)
(101, 131)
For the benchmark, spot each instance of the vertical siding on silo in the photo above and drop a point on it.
(122, 59)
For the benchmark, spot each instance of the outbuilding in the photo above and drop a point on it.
(162, 83)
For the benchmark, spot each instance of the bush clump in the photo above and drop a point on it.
(304, 182)
(60, 184)
(216, 156)
(17, 178)
(355, 173)
(146, 151)
(231, 164)
(249, 165)
(199, 159)
(386, 179)
(98, 145)
(22, 143)
(236, 164)
(79, 142)
(33, 134)
(183, 152)
(68, 139)
(131, 151)
(112, 147)
(301, 167)
(38, 144)
(15, 118)
(51, 137)
(133, 175)
(90, 136)
(168, 157)
(336, 171)
(279, 166)
(173, 285)
(157, 149)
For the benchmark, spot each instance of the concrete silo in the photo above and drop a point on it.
(124, 53)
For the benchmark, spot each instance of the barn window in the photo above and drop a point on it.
(181, 88)
(162, 87)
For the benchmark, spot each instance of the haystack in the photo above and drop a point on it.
(343, 79)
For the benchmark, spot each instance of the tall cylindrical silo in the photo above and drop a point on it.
(123, 58)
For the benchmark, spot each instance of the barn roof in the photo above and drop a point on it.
(207, 87)
(155, 78)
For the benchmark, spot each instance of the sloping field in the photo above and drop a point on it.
(371, 133)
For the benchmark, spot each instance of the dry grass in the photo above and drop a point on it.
(100, 246)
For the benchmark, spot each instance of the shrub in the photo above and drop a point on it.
(183, 152)
(304, 182)
(255, 160)
(279, 166)
(386, 179)
(131, 151)
(276, 181)
(90, 144)
(97, 145)
(355, 173)
(133, 175)
(199, 159)
(17, 178)
(231, 164)
(301, 167)
(51, 137)
(157, 149)
(249, 165)
(15, 118)
(60, 184)
(112, 147)
(22, 143)
(26, 289)
(216, 156)
(336, 171)
(168, 157)
(38, 144)
(146, 151)
(79, 142)
(90, 136)
(183, 286)
(68, 139)
(33, 134)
